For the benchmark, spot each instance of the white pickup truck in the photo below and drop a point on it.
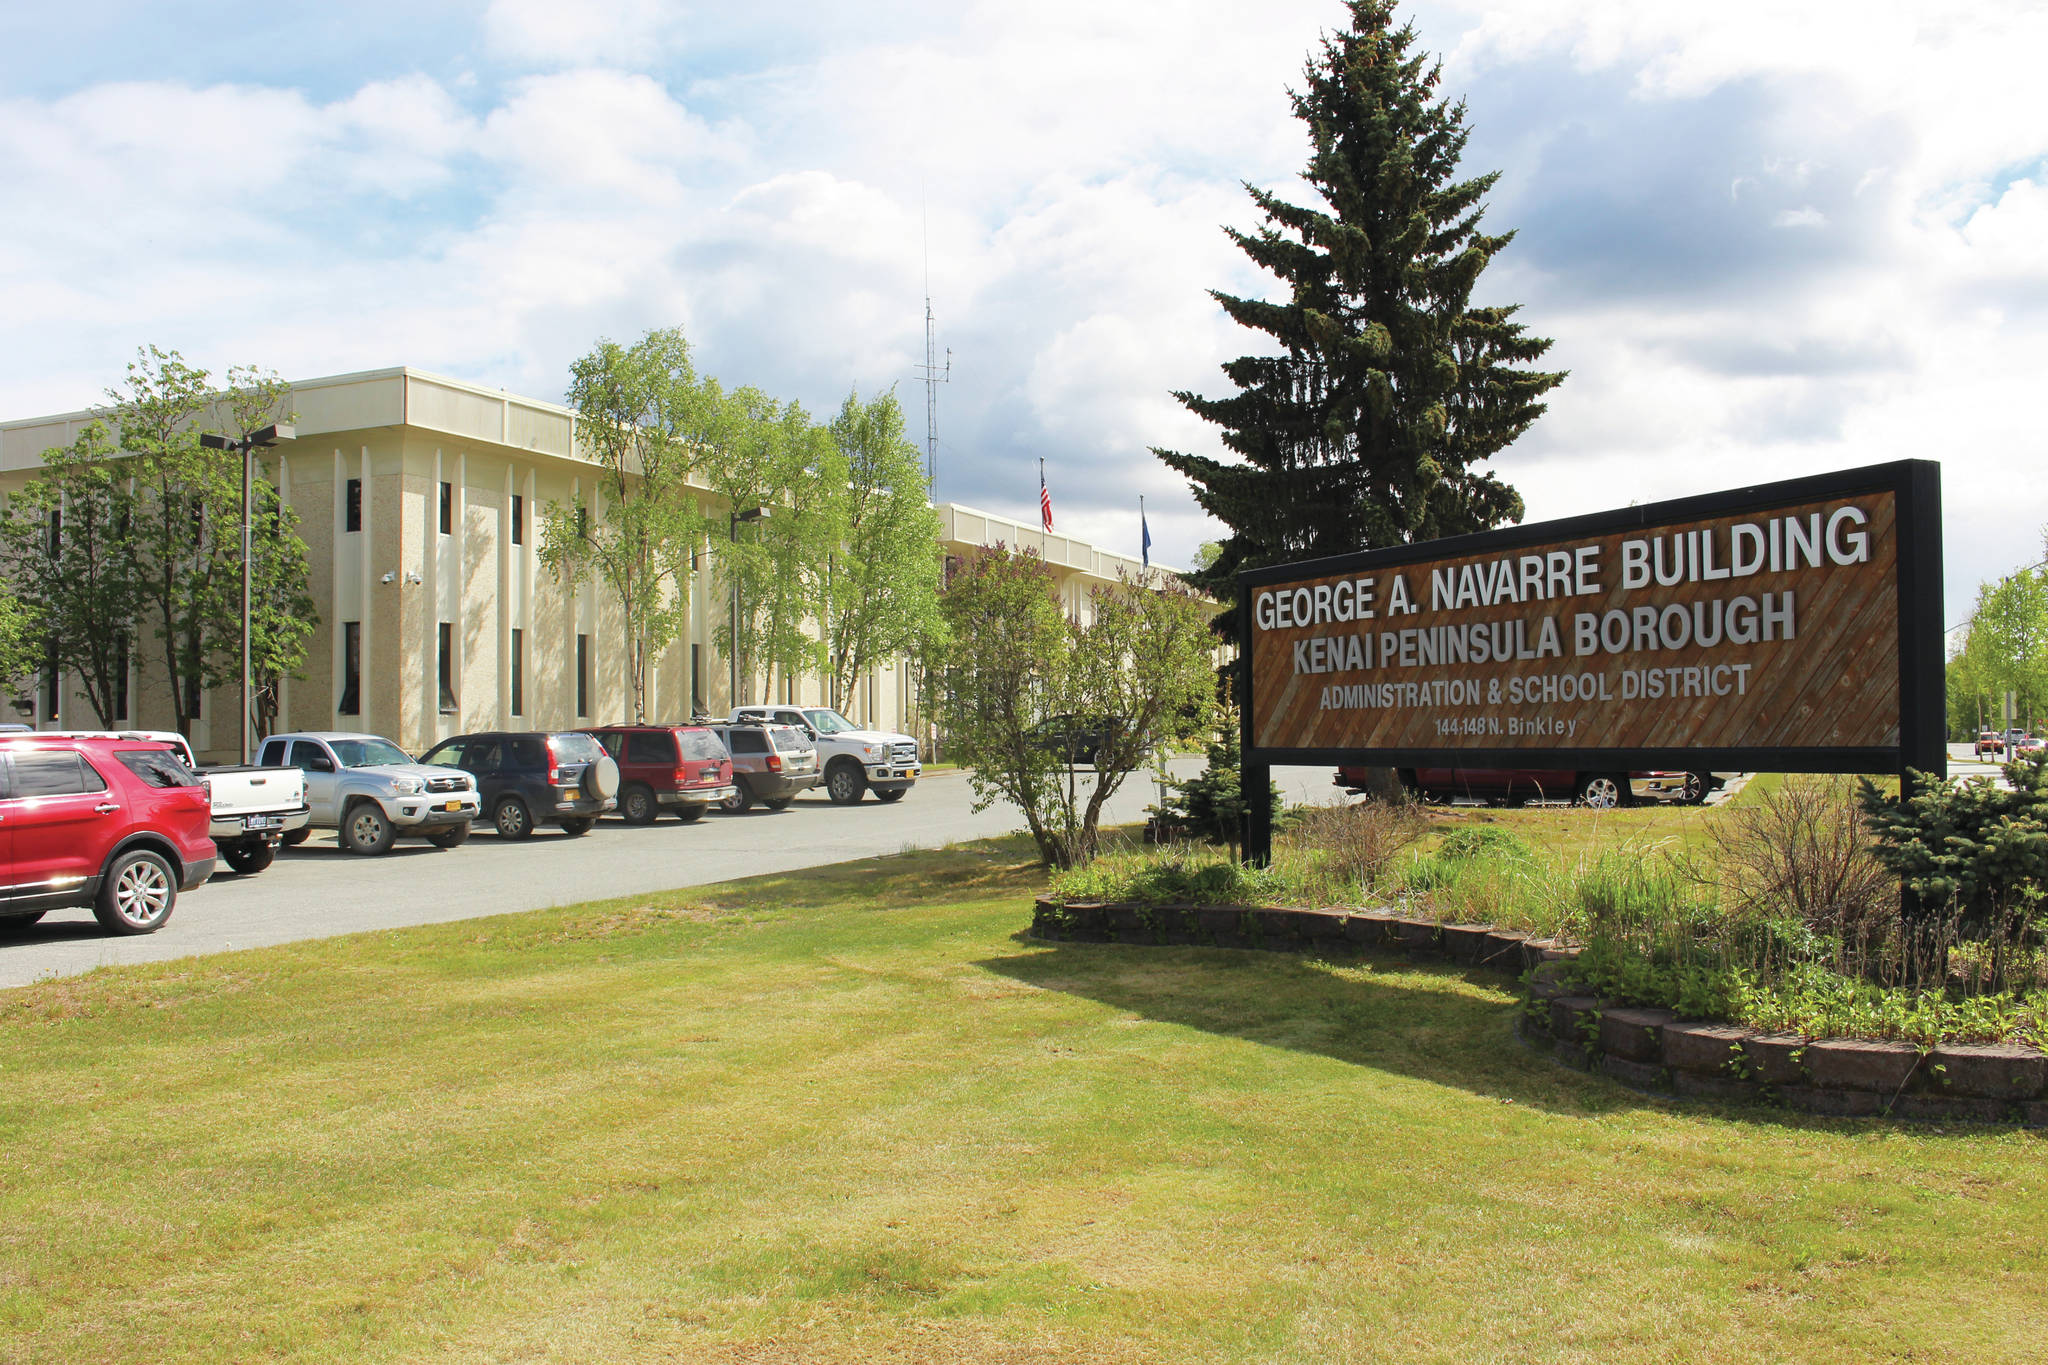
(253, 808)
(855, 761)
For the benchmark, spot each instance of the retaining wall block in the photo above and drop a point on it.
(1532, 1021)
(1636, 1035)
(1574, 1020)
(1861, 1064)
(1641, 1075)
(1537, 951)
(1416, 935)
(1572, 1053)
(1370, 928)
(1322, 925)
(2034, 1113)
(1775, 1057)
(1727, 1089)
(1279, 927)
(1464, 942)
(1123, 916)
(1997, 1071)
(1223, 925)
(1846, 1104)
(1703, 1049)
(1952, 1109)
(1502, 951)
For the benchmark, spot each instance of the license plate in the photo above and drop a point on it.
(451, 805)
(263, 822)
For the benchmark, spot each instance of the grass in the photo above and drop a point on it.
(850, 1115)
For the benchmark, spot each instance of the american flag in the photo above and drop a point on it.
(1044, 498)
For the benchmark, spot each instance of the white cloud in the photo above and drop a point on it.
(1807, 217)
(548, 33)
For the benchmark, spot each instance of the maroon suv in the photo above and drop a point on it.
(681, 768)
(116, 824)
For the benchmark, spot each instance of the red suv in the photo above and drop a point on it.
(116, 824)
(681, 767)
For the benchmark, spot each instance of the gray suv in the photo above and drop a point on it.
(770, 764)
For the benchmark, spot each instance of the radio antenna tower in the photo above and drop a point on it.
(933, 377)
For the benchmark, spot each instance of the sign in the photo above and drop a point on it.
(1786, 627)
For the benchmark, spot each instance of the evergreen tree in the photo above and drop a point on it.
(1389, 390)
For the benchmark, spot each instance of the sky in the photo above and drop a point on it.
(1768, 239)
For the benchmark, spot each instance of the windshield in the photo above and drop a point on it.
(367, 753)
(827, 721)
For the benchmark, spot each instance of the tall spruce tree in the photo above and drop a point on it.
(1389, 389)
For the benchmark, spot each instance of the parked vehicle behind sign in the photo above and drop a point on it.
(772, 764)
(855, 761)
(115, 824)
(683, 769)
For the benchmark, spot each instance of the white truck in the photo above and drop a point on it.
(370, 791)
(854, 760)
(253, 807)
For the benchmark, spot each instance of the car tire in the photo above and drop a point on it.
(690, 815)
(1602, 791)
(845, 783)
(742, 797)
(637, 805)
(138, 893)
(450, 836)
(895, 794)
(292, 838)
(779, 803)
(18, 924)
(578, 825)
(1694, 793)
(366, 830)
(513, 819)
(249, 859)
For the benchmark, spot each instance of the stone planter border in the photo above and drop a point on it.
(1649, 1050)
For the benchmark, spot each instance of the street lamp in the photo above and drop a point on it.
(245, 446)
(750, 514)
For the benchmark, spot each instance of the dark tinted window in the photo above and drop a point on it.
(610, 741)
(701, 745)
(530, 754)
(575, 748)
(649, 749)
(749, 742)
(48, 772)
(305, 753)
(481, 755)
(157, 768)
(273, 754)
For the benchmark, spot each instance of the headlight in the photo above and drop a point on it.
(407, 786)
(875, 752)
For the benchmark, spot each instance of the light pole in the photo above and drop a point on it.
(751, 514)
(246, 446)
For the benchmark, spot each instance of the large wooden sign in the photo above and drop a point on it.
(1785, 627)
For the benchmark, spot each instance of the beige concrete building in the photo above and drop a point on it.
(419, 500)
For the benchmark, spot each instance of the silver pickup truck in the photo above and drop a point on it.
(370, 792)
(253, 808)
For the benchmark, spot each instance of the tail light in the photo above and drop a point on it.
(775, 763)
(683, 777)
(554, 766)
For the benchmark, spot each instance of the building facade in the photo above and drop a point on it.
(419, 499)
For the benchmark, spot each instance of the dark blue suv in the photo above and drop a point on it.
(528, 778)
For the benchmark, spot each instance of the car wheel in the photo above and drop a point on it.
(18, 924)
(1695, 790)
(511, 817)
(895, 795)
(578, 825)
(690, 815)
(844, 783)
(249, 858)
(138, 893)
(365, 830)
(449, 836)
(638, 806)
(1603, 791)
(293, 838)
(741, 798)
(779, 803)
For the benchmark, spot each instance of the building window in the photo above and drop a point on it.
(518, 671)
(53, 680)
(582, 522)
(354, 521)
(696, 680)
(447, 509)
(351, 668)
(518, 519)
(445, 665)
(582, 675)
(195, 698)
(56, 532)
(121, 677)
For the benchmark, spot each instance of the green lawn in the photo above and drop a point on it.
(852, 1115)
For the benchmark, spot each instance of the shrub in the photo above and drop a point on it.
(1358, 843)
(1970, 849)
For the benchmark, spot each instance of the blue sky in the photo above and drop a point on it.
(1768, 239)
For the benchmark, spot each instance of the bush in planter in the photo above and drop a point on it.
(1969, 849)
(1211, 805)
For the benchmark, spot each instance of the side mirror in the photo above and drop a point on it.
(319, 763)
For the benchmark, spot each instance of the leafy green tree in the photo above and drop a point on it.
(882, 580)
(2006, 648)
(1390, 389)
(63, 544)
(282, 616)
(1013, 659)
(20, 639)
(1211, 805)
(648, 422)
